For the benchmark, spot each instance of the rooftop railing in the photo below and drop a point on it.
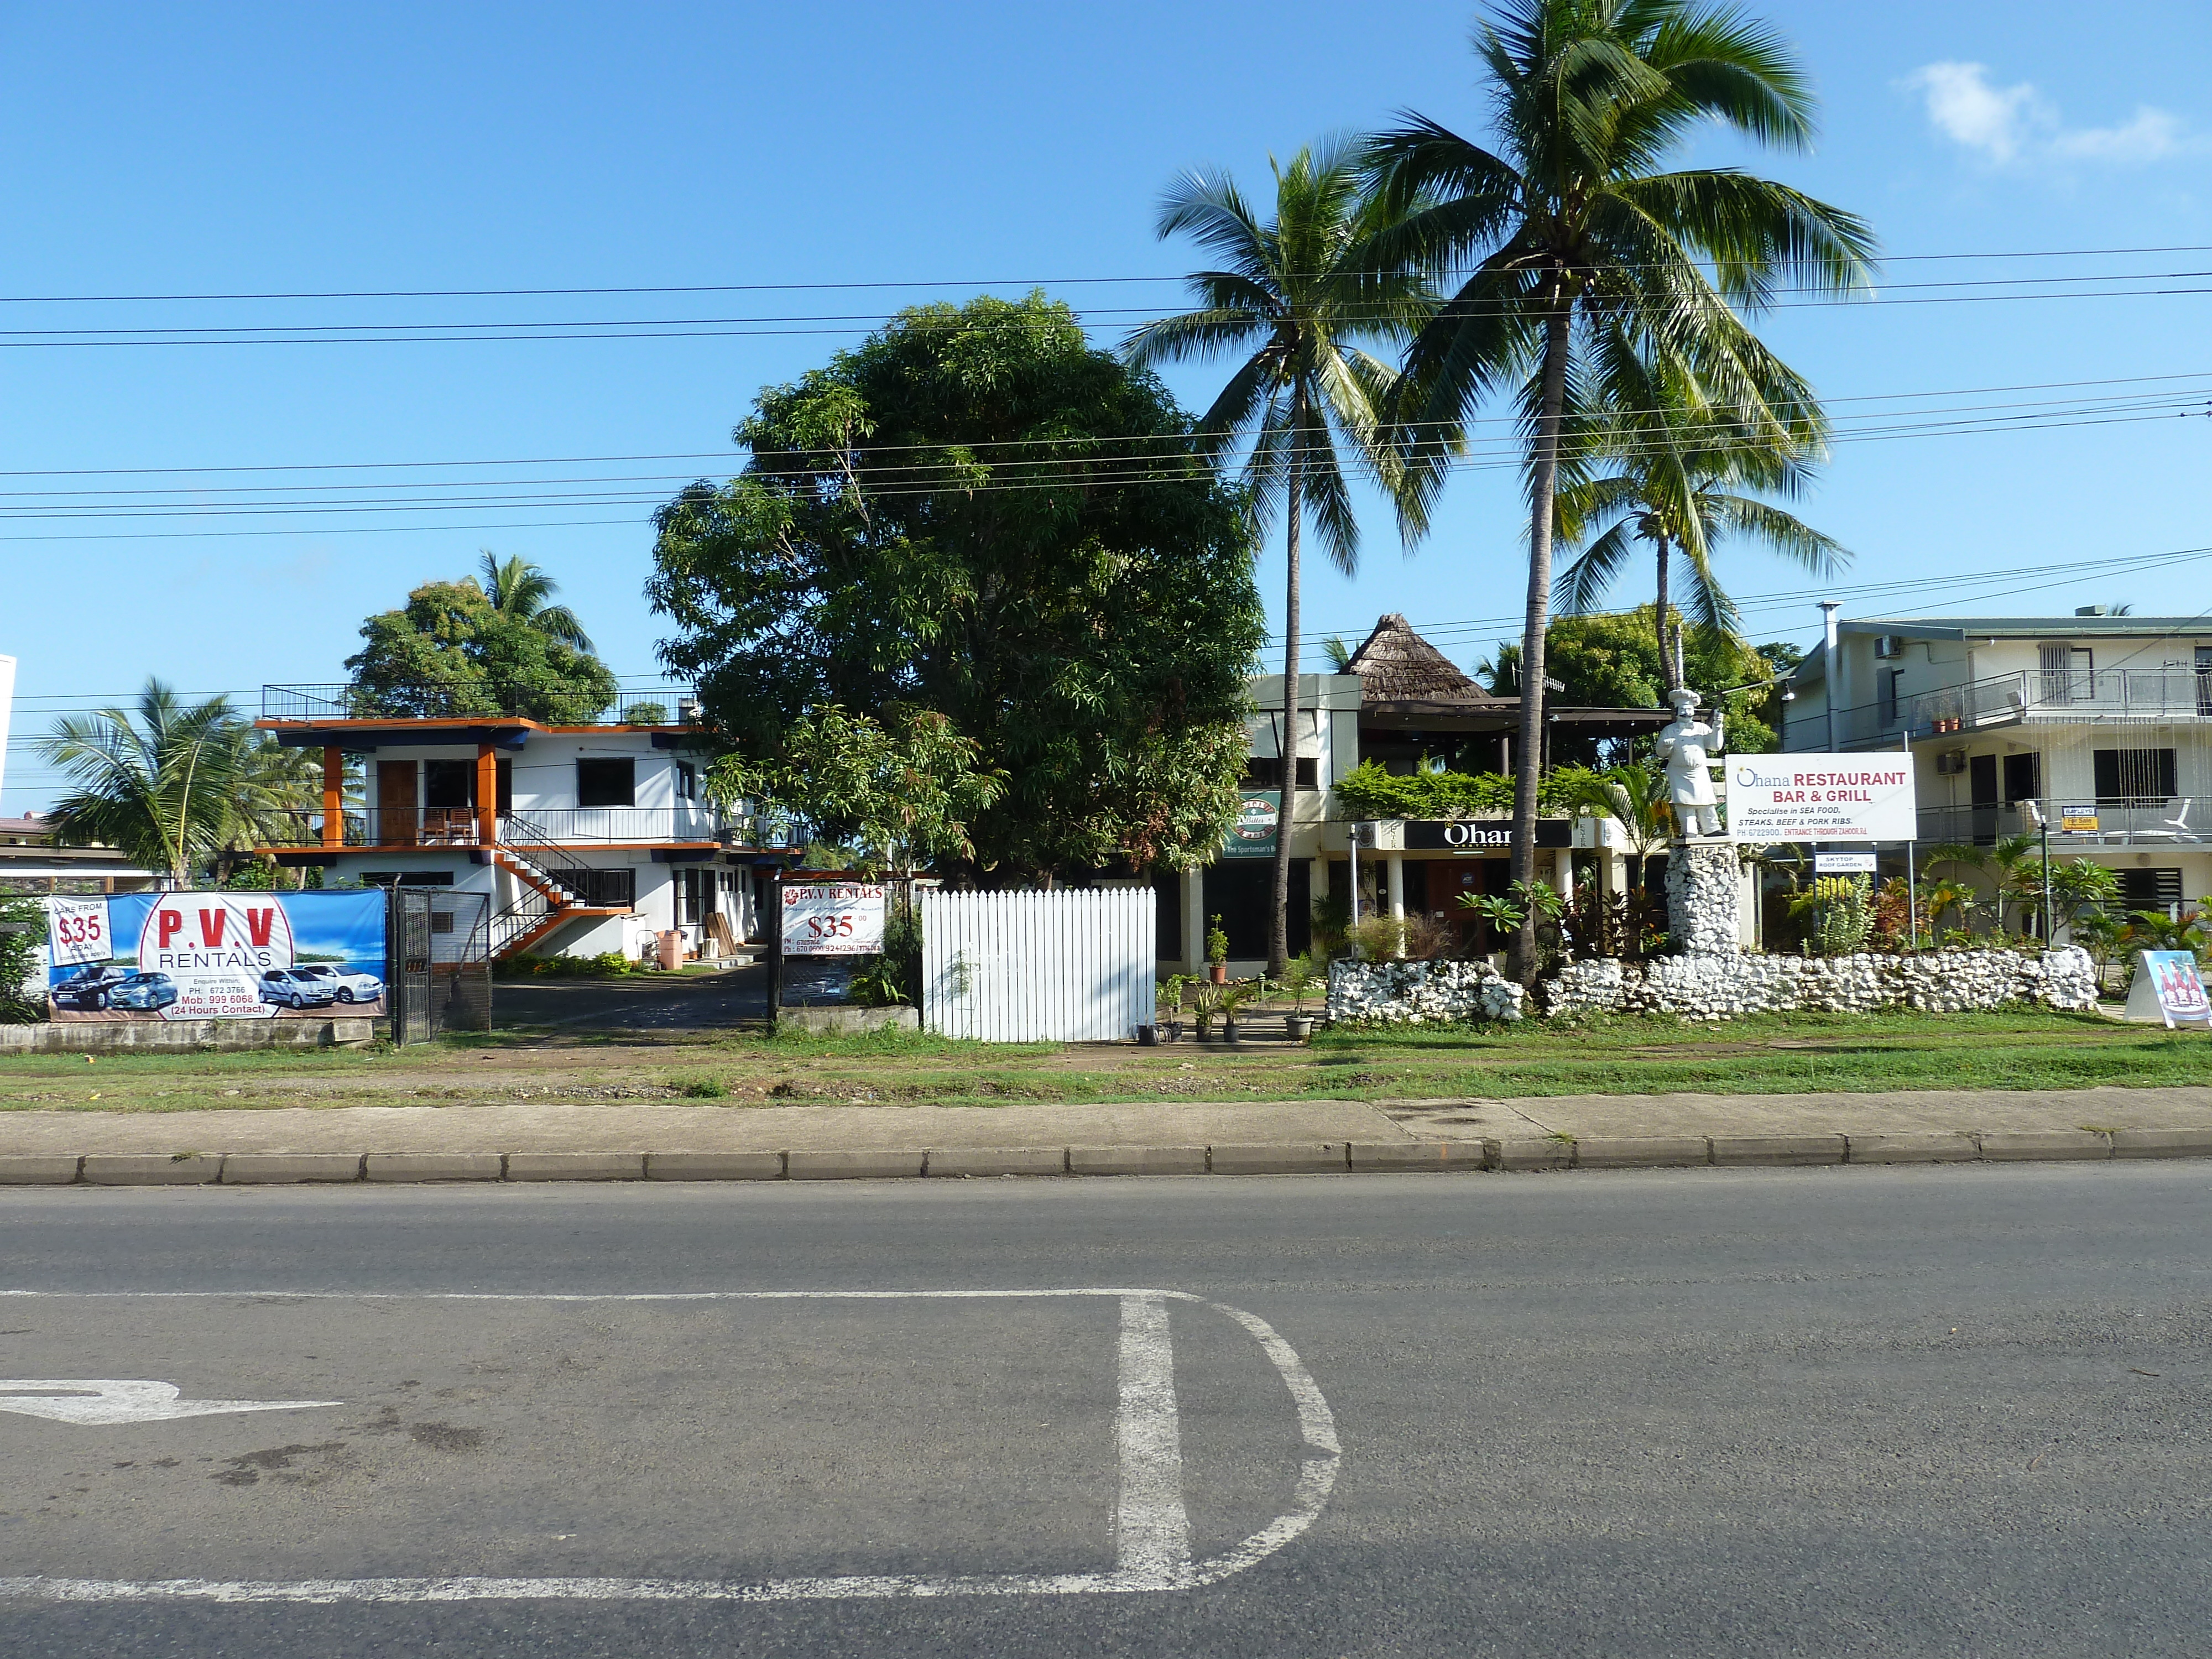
(2076, 824)
(662, 703)
(2106, 696)
(459, 826)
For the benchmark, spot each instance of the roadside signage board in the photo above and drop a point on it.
(2168, 988)
(1821, 798)
(1479, 835)
(1253, 834)
(2078, 820)
(1842, 864)
(833, 919)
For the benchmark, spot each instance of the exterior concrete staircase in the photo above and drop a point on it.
(553, 888)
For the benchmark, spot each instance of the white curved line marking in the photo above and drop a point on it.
(1148, 1557)
(103, 1402)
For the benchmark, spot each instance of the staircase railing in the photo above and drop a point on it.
(530, 844)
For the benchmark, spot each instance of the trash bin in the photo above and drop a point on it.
(672, 948)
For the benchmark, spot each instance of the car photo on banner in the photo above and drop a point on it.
(215, 955)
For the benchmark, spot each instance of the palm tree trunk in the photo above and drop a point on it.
(1666, 675)
(1520, 959)
(1286, 748)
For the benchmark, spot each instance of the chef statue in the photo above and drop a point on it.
(1686, 745)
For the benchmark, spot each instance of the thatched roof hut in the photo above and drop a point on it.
(1396, 664)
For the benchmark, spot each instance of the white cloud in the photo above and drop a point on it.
(2016, 123)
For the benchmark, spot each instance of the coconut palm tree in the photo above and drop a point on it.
(1574, 253)
(170, 783)
(519, 589)
(1299, 293)
(1676, 468)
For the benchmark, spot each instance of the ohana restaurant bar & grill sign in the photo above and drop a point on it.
(1820, 798)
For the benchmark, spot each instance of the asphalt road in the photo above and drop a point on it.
(1842, 1411)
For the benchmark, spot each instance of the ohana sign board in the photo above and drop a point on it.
(1820, 798)
(833, 919)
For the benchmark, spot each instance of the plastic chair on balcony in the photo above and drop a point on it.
(2175, 829)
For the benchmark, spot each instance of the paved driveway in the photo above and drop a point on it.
(639, 1002)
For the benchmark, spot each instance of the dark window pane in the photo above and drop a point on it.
(449, 785)
(606, 782)
(2145, 774)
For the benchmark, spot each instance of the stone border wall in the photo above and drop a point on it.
(1715, 986)
(1724, 987)
(113, 1037)
(1441, 992)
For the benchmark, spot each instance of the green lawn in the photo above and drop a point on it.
(1768, 1054)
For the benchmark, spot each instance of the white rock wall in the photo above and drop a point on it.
(1421, 992)
(1723, 988)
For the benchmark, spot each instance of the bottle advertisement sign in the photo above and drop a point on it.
(833, 919)
(1820, 798)
(215, 955)
(2168, 987)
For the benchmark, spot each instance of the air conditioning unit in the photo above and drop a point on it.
(1889, 645)
(1951, 763)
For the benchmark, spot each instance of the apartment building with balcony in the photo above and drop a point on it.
(585, 839)
(2100, 723)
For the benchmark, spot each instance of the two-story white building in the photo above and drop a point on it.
(2101, 723)
(586, 838)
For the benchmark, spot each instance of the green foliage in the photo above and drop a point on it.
(608, 964)
(1167, 996)
(453, 651)
(894, 977)
(1635, 796)
(1370, 791)
(1216, 941)
(1090, 635)
(21, 1002)
(1332, 917)
(2080, 888)
(173, 785)
(905, 787)
(1612, 660)
(645, 713)
(1842, 910)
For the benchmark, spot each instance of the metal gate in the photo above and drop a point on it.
(440, 954)
(408, 953)
(1072, 966)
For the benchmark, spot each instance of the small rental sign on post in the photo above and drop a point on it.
(831, 919)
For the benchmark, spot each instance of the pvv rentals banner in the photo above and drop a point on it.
(215, 955)
(1863, 799)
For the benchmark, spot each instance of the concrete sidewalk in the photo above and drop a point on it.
(685, 1140)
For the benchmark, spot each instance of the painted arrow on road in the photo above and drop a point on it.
(97, 1401)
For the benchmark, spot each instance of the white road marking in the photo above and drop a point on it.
(99, 1401)
(1151, 1531)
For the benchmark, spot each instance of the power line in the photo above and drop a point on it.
(916, 283)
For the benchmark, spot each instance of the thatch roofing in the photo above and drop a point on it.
(1396, 664)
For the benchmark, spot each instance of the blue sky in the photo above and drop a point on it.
(211, 149)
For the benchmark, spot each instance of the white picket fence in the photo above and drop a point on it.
(1073, 966)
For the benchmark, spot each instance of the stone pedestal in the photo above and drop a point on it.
(1703, 890)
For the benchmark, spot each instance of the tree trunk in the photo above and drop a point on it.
(1286, 748)
(1667, 679)
(1521, 959)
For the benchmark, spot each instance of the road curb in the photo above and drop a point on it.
(1547, 1153)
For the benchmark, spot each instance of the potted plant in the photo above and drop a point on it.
(1168, 1002)
(1301, 977)
(1217, 952)
(1206, 1003)
(1234, 997)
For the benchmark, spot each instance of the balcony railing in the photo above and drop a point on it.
(459, 826)
(2109, 694)
(2113, 820)
(666, 704)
